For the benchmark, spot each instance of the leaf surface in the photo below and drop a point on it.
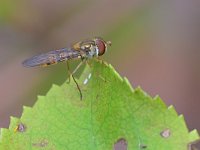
(110, 110)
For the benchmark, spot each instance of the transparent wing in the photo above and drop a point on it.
(51, 57)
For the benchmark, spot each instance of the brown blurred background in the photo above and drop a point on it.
(155, 44)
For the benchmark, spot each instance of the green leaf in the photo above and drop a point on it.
(110, 110)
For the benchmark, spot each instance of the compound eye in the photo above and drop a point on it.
(101, 46)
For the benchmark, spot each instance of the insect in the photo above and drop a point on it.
(83, 50)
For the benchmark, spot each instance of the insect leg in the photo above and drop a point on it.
(81, 96)
(72, 74)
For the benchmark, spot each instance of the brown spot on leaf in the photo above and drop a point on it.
(42, 143)
(142, 146)
(165, 133)
(121, 144)
(20, 128)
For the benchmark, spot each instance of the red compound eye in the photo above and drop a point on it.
(101, 46)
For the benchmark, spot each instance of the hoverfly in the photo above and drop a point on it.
(83, 50)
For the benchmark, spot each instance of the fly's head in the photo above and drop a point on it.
(101, 46)
(92, 48)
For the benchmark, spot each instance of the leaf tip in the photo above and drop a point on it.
(126, 81)
(194, 136)
(55, 86)
(172, 110)
(140, 91)
(157, 99)
(26, 108)
(115, 72)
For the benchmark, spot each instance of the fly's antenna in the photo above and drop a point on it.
(109, 43)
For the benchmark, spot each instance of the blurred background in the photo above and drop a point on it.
(155, 44)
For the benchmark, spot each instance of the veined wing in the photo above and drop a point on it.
(52, 57)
